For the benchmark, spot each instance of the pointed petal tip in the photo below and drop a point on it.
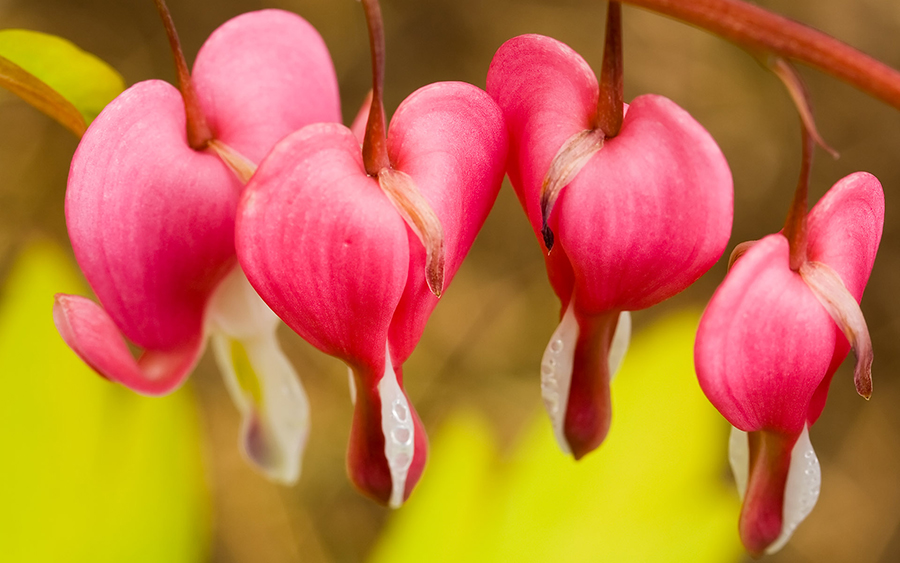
(89, 331)
(261, 451)
(434, 272)
(548, 236)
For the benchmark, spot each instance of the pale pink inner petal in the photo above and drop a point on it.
(828, 288)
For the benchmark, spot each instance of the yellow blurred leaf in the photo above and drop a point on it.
(79, 77)
(92, 472)
(654, 491)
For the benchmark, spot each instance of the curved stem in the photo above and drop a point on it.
(375, 154)
(610, 103)
(198, 132)
(795, 225)
(760, 30)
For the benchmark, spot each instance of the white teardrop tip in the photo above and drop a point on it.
(399, 431)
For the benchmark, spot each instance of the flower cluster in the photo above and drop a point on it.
(212, 211)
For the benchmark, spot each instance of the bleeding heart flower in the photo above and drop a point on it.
(634, 209)
(351, 248)
(150, 208)
(770, 341)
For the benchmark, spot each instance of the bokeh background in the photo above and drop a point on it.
(480, 353)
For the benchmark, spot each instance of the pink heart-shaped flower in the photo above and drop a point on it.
(326, 249)
(151, 219)
(638, 218)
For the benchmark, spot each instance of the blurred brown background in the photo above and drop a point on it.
(483, 345)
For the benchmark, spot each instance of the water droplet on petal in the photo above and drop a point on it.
(400, 411)
(401, 435)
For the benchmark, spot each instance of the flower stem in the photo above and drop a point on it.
(795, 224)
(198, 132)
(609, 105)
(375, 156)
(760, 30)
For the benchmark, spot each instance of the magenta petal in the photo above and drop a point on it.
(451, 139)
(845, 229)
(263, 75)
(548, 93)
(322, 244)
(764, 344)
(649, 214)
(89, 331)
(151, 220)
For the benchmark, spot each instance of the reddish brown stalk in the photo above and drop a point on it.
(795, 225)
(762, 31)
(198, 132)
(375, 154)
(610, 103)
(792, 80)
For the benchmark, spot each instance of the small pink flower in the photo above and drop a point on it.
(150, 209)
(633, 219)
(769, 343)
(346, 260)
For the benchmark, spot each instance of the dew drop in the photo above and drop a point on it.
(401, 435)
(400, 412)
(556, 346)
(546, 369)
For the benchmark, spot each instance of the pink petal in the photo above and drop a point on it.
(451, 139)
(649, 214)
(151, 220)
(764, 343)
(845, 229)
(548, 93)
(89, 331)
(263, 75)
(323, 246)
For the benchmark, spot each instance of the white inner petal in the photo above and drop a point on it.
(352, 383)
(739, 459)
(803, 483)
(802, 491)
(556, 373)
(399, 431)
(261, 381)
(558, 361)
(621, 340)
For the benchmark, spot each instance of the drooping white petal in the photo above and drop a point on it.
(558, 361)
(803, 483)
(802, 491)
(399, 431)
(261, 381)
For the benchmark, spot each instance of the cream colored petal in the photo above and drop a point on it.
(261, 381)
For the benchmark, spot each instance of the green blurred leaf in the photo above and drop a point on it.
(654, 491)
(92, 472)
(82, 79)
